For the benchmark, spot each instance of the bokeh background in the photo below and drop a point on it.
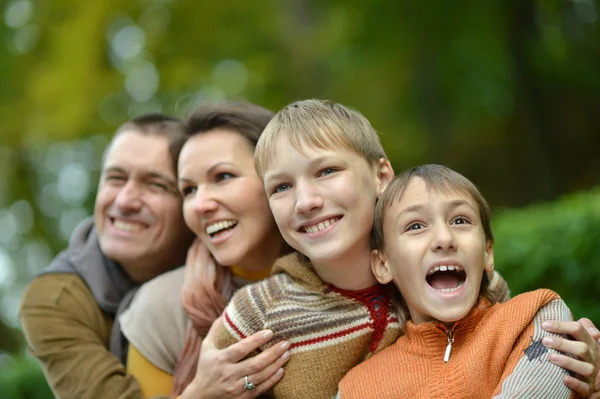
(506, 92)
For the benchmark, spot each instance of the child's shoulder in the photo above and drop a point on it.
(521, 309)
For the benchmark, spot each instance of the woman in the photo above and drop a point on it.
(226, 207)
(221, 373)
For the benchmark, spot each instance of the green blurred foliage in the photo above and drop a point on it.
(504, 92)
(554, 246)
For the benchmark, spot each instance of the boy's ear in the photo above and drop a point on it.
(385, 174)
(380, 267)
(489, 256)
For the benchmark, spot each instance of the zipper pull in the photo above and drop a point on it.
(449, 347)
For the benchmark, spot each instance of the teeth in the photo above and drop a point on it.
(443, 268)
(320, 226)
(119, 224)
(222, 225)
(448, 290)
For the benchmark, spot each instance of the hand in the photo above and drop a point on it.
(585, 347)
(221, 372)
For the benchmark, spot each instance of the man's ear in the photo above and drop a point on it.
(489, 256)
(385, 174)
(380, 268)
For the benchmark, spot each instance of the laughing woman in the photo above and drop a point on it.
(226, 207)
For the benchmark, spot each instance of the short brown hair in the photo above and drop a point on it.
(166, 126)
(440, 178)
(247, 119)
(319, 124)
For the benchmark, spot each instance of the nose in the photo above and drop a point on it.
(129, 198)
(443, 239)
(205, 201)
(308, 198)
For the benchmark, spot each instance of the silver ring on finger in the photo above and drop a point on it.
(248, 386)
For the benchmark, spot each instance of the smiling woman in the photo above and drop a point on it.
(225, 205)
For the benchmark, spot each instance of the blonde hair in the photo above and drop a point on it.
(322, 124)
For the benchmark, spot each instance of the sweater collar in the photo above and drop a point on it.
(106, 279)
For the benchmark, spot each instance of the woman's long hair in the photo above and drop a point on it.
(208, 286)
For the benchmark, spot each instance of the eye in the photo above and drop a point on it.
(188, 190)
(115, 179)
(224, 176)
(327, 172)
(159, 186)
(280, 188)
(460, 220)
(415, 226)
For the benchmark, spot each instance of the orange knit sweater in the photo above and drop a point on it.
(496, 353)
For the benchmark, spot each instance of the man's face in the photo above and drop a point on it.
(138, 212)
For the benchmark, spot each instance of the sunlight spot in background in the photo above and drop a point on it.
(18, 13)
(37, 255)
(69, 219)
(10, 227)
(231, 76)
(142, 81)
(7, 267)
(26, 38)
(585, 10)
(73, 184)
(128, 42)
(49, 201)
(24, 215)
(150, 106)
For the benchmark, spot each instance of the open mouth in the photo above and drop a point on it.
(320, 226)
(446, 278)
(216, 229)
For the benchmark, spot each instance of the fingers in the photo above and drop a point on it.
(591, 328)
(582, 368)
(576, 348)
(263, 366)
(265, 386)
(240, 350)
(581, 388)
(572, 328)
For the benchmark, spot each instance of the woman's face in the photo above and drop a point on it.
(224, 201)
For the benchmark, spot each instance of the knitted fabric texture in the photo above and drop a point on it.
(497, 353)
(330, 330)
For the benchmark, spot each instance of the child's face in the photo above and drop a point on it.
(435, 252)
(323, 200)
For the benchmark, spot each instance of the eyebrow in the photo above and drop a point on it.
(312, 163)
(419, 207)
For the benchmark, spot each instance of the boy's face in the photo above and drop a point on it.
(435, 252)
(323, 200)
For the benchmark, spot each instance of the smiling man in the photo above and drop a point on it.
(137, 233)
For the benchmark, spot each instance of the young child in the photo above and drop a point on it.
(323, 167)
(432, 237)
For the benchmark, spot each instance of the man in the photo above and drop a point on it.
(137, 233)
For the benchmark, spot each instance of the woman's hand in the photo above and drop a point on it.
(221, 372)
(586, 349)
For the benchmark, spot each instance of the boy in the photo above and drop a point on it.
(323, 167)
(432, 238)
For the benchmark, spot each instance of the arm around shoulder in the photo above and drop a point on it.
(69, 335)
(531, 372)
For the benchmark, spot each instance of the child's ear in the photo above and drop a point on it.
(380, 268)
(489, 256)
(385, 174)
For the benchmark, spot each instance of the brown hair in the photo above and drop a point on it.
(439, 178)
(208, 286)
(319, 124)
(157, 124)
